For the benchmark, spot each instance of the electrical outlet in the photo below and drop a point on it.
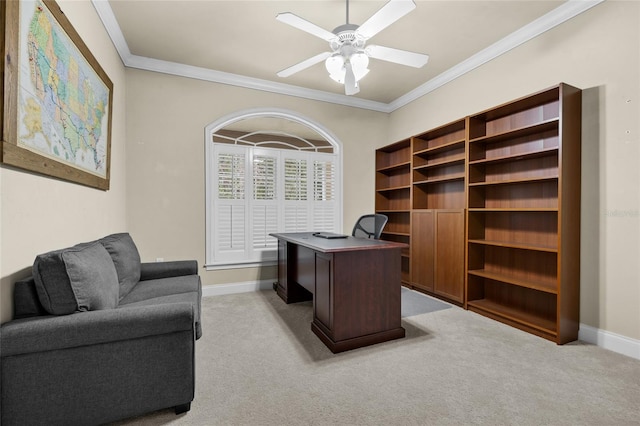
(159, 259)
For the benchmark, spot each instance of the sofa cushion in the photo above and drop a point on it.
(93, 277)
(52, 283)
(186, 288)
(126, 259)
(70, 279)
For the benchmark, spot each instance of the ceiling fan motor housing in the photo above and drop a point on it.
(346, 35)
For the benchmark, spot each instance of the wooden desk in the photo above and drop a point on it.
(354, 283)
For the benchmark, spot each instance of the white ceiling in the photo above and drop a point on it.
(241, 43)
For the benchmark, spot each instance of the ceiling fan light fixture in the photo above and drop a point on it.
(335, 66)
(359, 63)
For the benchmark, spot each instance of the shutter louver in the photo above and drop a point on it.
(296, 211)
(231, 175)
(231, 226)
(264, 177)
(323, 180)
(265, 221)
(324, 196)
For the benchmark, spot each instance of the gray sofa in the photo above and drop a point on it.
(98, 336)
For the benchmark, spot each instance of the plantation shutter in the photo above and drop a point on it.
(324, 195)
(265, 199)
(296, 194)
(259, 191)
(230, 220)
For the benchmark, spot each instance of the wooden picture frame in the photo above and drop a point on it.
(57, 99)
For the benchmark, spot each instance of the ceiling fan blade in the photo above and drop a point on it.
(387, 15)
(304, 64)
(350, 83)
(304, 25)
(397, 56)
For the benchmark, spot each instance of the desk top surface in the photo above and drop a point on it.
(307, 239)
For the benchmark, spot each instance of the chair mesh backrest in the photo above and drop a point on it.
(370, 226)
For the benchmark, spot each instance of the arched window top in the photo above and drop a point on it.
(273, 128)
(268, 138)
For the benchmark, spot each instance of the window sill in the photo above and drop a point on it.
(223, 266)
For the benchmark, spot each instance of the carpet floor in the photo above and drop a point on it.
(258, 363)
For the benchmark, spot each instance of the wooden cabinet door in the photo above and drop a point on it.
(422, 246)
(322, 298)
(449, 254)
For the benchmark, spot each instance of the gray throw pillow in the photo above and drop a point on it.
(52, 283)
(93, 277)
(126, 259)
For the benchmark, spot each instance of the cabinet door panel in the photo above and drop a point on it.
(449, 255)
(322, 298)
(422, 246)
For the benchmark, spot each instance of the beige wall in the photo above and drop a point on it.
(599, 52)
(166, 119)
(39, 214)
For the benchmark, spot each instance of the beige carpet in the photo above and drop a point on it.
(258, 363)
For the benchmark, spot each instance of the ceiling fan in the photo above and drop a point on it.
(348, 60)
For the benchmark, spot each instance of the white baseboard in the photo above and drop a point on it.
(605, 339)
(243, 287)
(611, 341)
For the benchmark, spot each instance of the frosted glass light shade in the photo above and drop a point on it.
(359, 64)
(335, 64)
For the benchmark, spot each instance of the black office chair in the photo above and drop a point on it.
(370, 226)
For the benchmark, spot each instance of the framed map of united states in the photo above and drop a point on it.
(57, 99)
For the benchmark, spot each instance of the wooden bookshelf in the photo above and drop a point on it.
(523, 223)
(490, 206)
(393, 196)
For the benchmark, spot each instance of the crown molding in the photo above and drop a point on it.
(557, 16)
(199, 73)
(533, 29)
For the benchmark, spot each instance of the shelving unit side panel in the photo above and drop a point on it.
(570, 184)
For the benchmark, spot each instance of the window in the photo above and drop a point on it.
(264, 182)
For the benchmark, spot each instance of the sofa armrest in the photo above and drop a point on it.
(46, 333)
(158, 270)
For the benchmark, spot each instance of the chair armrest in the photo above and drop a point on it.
(158, 270)
(47, 333)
